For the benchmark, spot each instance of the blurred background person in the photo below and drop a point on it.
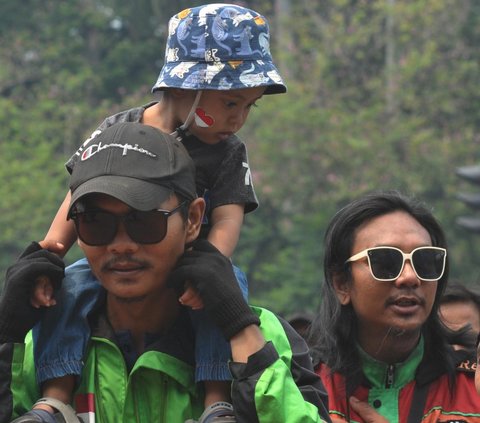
(460, 306)
(301, 322)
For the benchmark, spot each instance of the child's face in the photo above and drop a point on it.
(222, 113)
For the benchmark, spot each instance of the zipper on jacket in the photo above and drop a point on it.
(390, 376)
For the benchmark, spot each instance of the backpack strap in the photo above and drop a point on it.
(66, 412)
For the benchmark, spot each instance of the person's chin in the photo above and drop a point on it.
(129, 299)
(125, 288)
(223, 136)
(406, 326)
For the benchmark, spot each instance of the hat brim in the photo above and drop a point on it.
(136, 193)
(221, 76)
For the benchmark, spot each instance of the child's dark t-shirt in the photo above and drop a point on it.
(223, 174)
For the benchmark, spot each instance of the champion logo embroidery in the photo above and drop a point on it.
(91, 137)
(93, 149)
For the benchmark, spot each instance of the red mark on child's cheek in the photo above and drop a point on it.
(202, 119)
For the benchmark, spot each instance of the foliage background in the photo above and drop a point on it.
(383, 94)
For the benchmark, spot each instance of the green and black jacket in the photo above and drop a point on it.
(277, 384)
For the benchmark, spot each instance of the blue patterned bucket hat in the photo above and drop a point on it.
(219, 47)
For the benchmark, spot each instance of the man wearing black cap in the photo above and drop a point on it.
(137, 217)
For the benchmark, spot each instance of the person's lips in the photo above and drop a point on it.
(224, 135)
(124, 266)
(405, 304)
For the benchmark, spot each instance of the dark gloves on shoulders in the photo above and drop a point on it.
(17, 315)
(211, 273)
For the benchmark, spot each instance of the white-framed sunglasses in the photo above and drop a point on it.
(386, 263)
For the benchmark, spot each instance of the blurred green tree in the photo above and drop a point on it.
(383, 94)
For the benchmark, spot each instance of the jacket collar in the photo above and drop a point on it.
(378, 373)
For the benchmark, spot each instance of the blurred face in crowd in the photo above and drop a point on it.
(457, 314)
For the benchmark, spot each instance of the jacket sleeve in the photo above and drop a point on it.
(18, 387)
(278, 383)
(6, 396)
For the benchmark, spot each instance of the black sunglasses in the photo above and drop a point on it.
(386, 263)
(99, 227)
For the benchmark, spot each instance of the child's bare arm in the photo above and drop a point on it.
(59, 238)
(62, 231)
(226, 225)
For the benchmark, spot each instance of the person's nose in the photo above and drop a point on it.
(122, 243)
(237, 120)
(408, 276)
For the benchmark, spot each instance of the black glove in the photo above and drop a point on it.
(17, 315)
(211, 273)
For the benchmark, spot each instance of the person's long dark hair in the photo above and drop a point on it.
(333, 332)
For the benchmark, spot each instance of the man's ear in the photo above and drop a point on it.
(342, 289)
(194, 219)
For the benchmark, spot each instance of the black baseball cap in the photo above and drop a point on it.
(135, 163)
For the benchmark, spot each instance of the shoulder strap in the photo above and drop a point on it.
(65, 410)
(418, 403)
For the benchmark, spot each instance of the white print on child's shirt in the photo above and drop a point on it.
(248, 174)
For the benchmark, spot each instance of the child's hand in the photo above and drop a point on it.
(366, 412)
(42, 293)
(43, 290)
(18, 316)
(212, 275)
(190, 298)
(53, 246)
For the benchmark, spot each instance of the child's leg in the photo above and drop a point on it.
(61, 337)
(60, 388)
(242, 281)
(212, 353)
(217, 391)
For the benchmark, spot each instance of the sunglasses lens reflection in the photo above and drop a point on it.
(147, 227)
(428, 263)
(386, 263)
(97, 228)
